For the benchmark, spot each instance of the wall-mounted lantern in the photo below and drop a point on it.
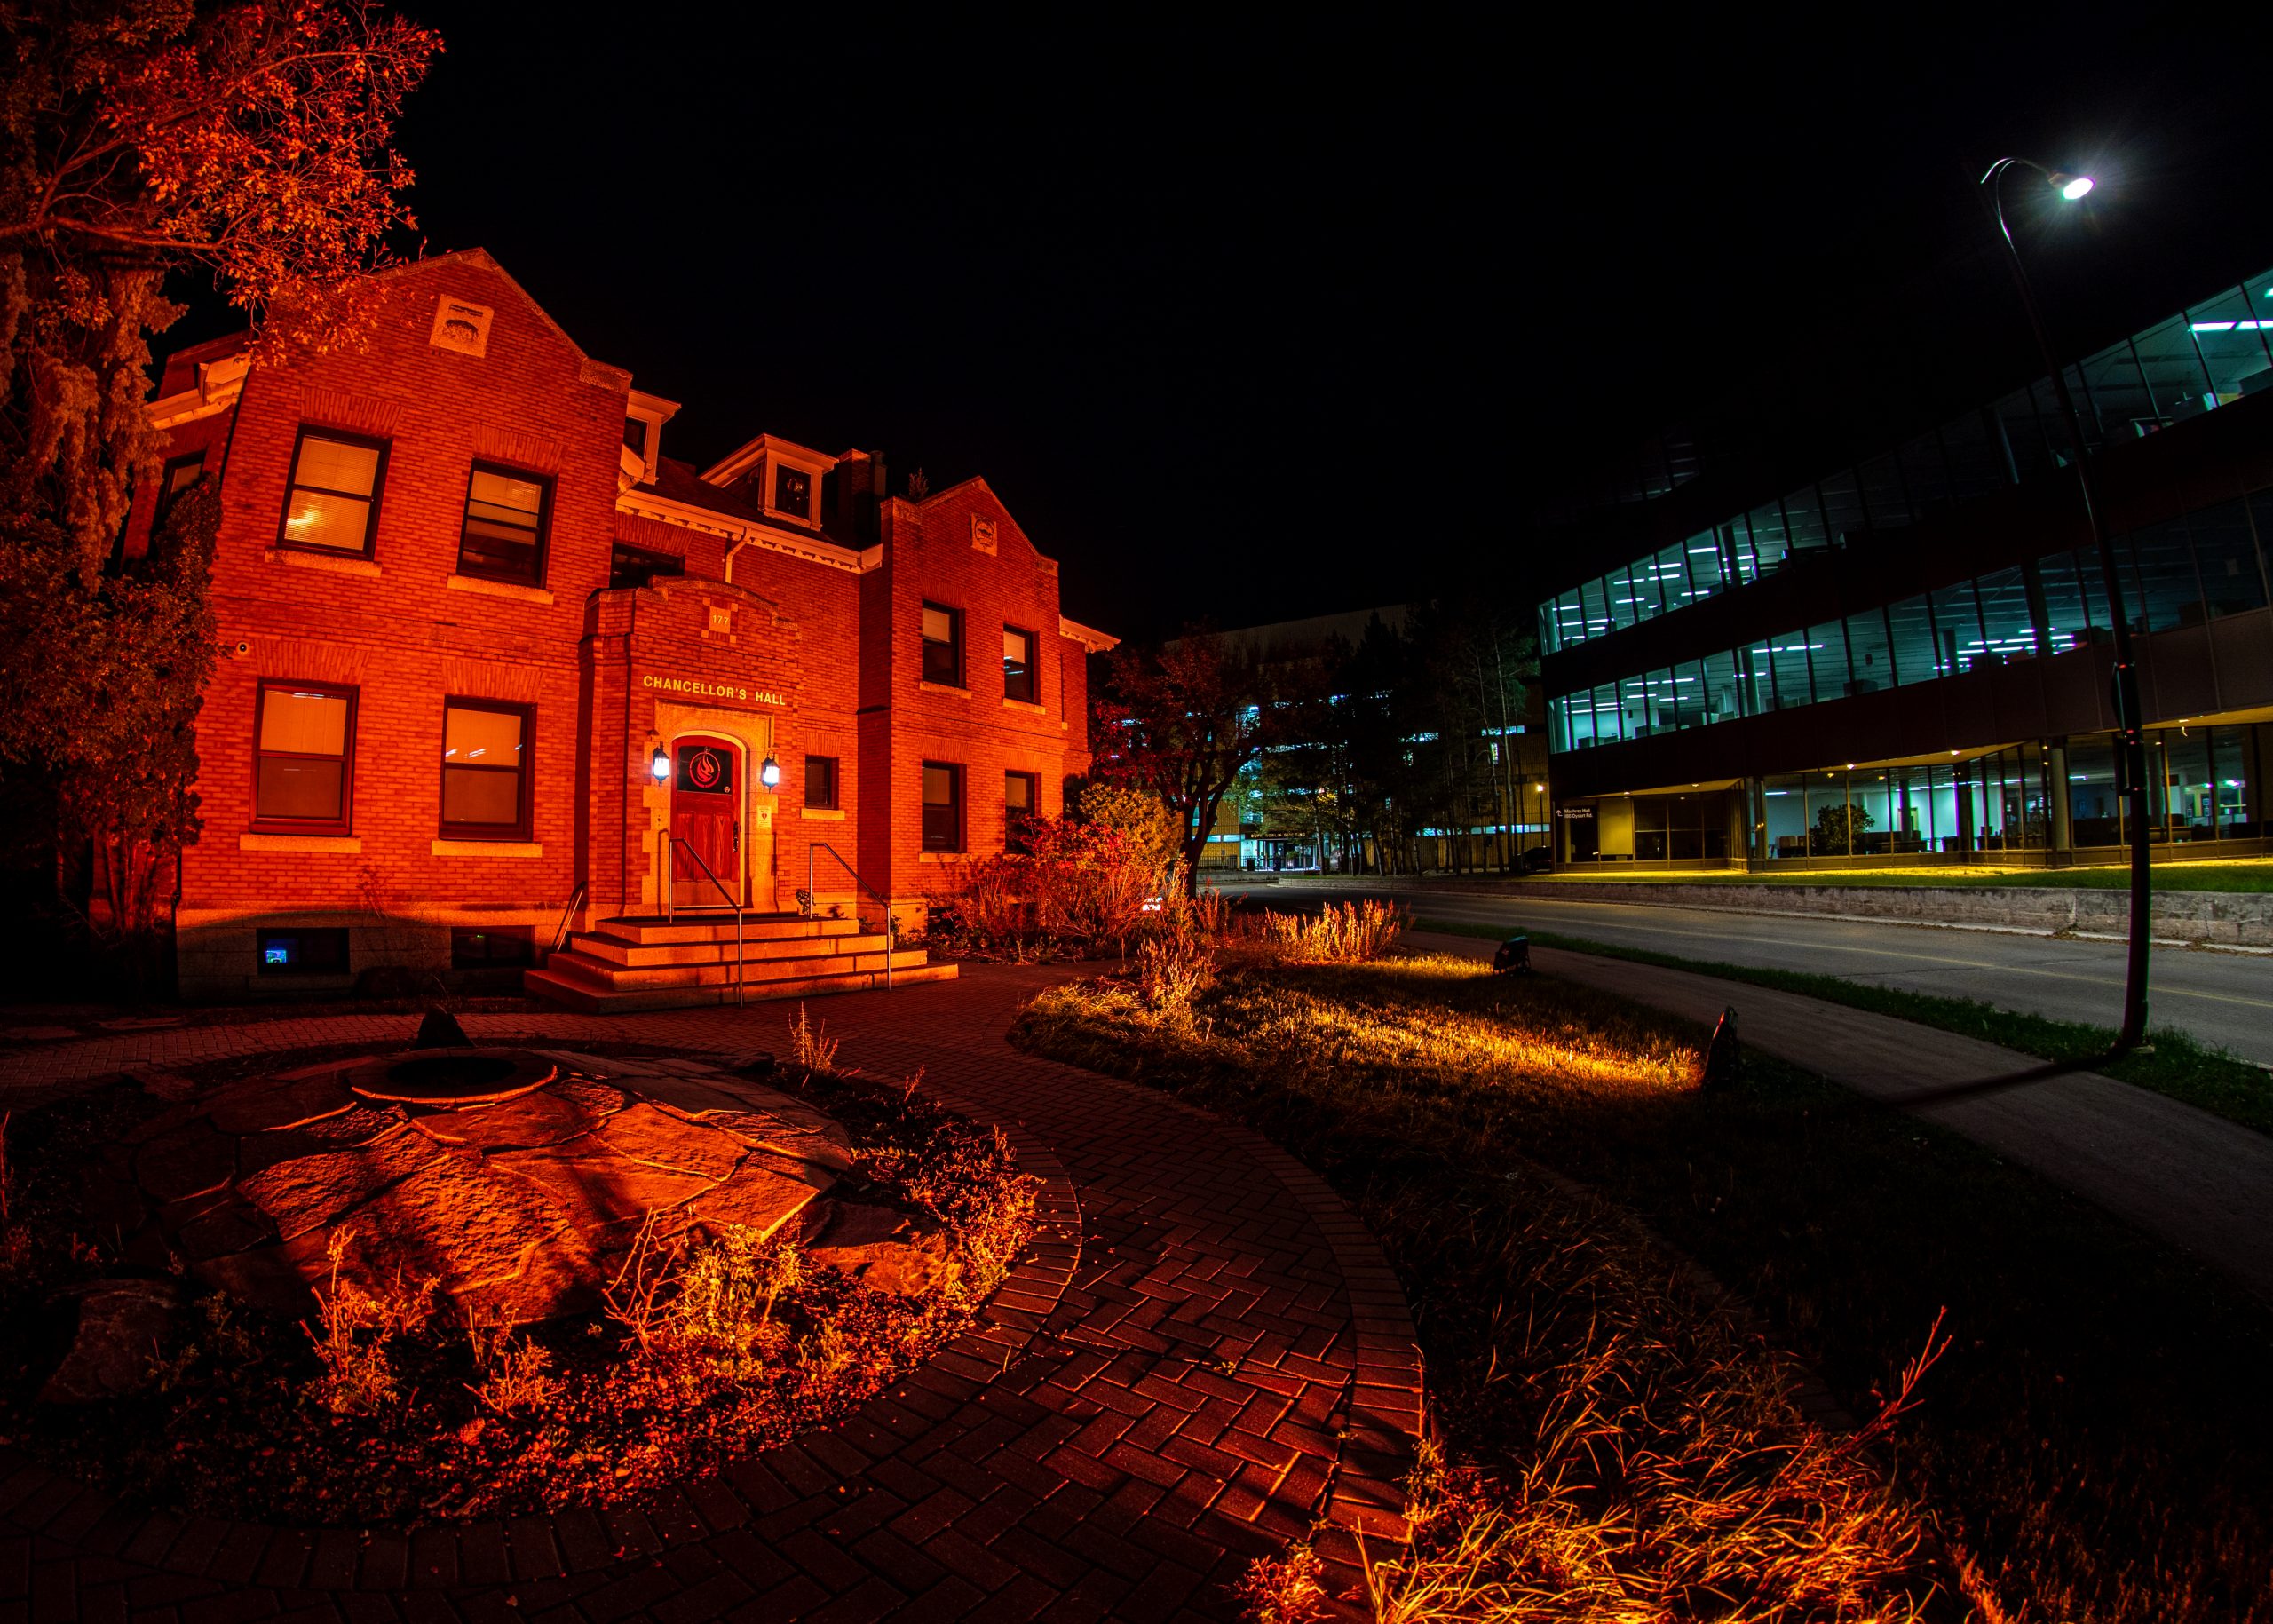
(770, 774)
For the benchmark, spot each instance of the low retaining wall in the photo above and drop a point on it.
(2206, 918)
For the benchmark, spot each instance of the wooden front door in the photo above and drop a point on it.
(706, 814)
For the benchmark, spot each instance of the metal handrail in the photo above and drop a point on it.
(891, 925)
(671, 841)
(560, 931)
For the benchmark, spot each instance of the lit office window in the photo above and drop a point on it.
(1811, 522)
(1594, 599)
(1673, 576)
(1624, 604)
(1957, 627)
(485, 770)
(503, 537)
(2232, 340)
(1020, 678)
(1790, 649)
(304, 751)
(333, 496)
(1771, 542)
(2066, 621)
(1703, 552)
(2009, 626)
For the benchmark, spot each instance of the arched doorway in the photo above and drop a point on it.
(707, 815)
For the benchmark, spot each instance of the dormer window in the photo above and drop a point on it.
(793, 492)
(781, 479)
(644, 416)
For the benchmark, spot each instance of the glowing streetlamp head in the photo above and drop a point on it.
(2073, 187)
(661, 765)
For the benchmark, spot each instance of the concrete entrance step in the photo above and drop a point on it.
(615, 950)
(574, 965)
(577, 994)
(755, 927)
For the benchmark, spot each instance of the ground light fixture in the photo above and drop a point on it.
(770, 774)
(661, 764)
(2131, 754)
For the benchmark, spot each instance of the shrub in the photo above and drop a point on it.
(1171, 972)
(1341, 933)
(1083, 882)
(1284, 1590)
(358, 1376)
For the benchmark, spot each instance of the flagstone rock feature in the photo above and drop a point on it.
(514, 1179)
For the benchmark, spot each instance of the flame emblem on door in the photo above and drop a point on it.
(705, 770)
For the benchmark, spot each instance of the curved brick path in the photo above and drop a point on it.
(1204, 1356)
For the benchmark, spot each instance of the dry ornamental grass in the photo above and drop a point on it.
(1625, 1447)
(1621, 1442)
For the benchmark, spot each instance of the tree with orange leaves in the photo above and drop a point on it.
(248, 142)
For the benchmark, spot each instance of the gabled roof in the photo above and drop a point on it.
(747, 453)
(482, 258)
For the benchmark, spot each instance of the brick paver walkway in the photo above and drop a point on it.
(1204, 1356)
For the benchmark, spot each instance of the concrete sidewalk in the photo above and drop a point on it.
(2197, 1181)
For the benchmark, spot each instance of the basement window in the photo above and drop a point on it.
(321, 952)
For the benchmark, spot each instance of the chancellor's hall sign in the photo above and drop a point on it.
(694, 688)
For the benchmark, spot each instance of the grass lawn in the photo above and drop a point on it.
(2179, 1066)
(2242, 877)
(2091, 1446)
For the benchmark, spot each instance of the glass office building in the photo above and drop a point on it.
(1905, 659)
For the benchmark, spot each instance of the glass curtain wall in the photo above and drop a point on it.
(2212, 355)
(2211, 563)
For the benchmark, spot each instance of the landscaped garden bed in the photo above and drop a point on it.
(1621, 1440)
(474, 1283)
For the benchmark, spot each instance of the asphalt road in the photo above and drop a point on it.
(2221, 998)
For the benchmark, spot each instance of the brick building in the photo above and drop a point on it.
(492, 656)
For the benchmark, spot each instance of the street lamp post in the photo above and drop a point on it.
(2131, 756)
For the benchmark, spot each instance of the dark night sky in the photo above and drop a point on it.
(1254, 323)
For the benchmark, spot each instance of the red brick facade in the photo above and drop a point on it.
(782, 641)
